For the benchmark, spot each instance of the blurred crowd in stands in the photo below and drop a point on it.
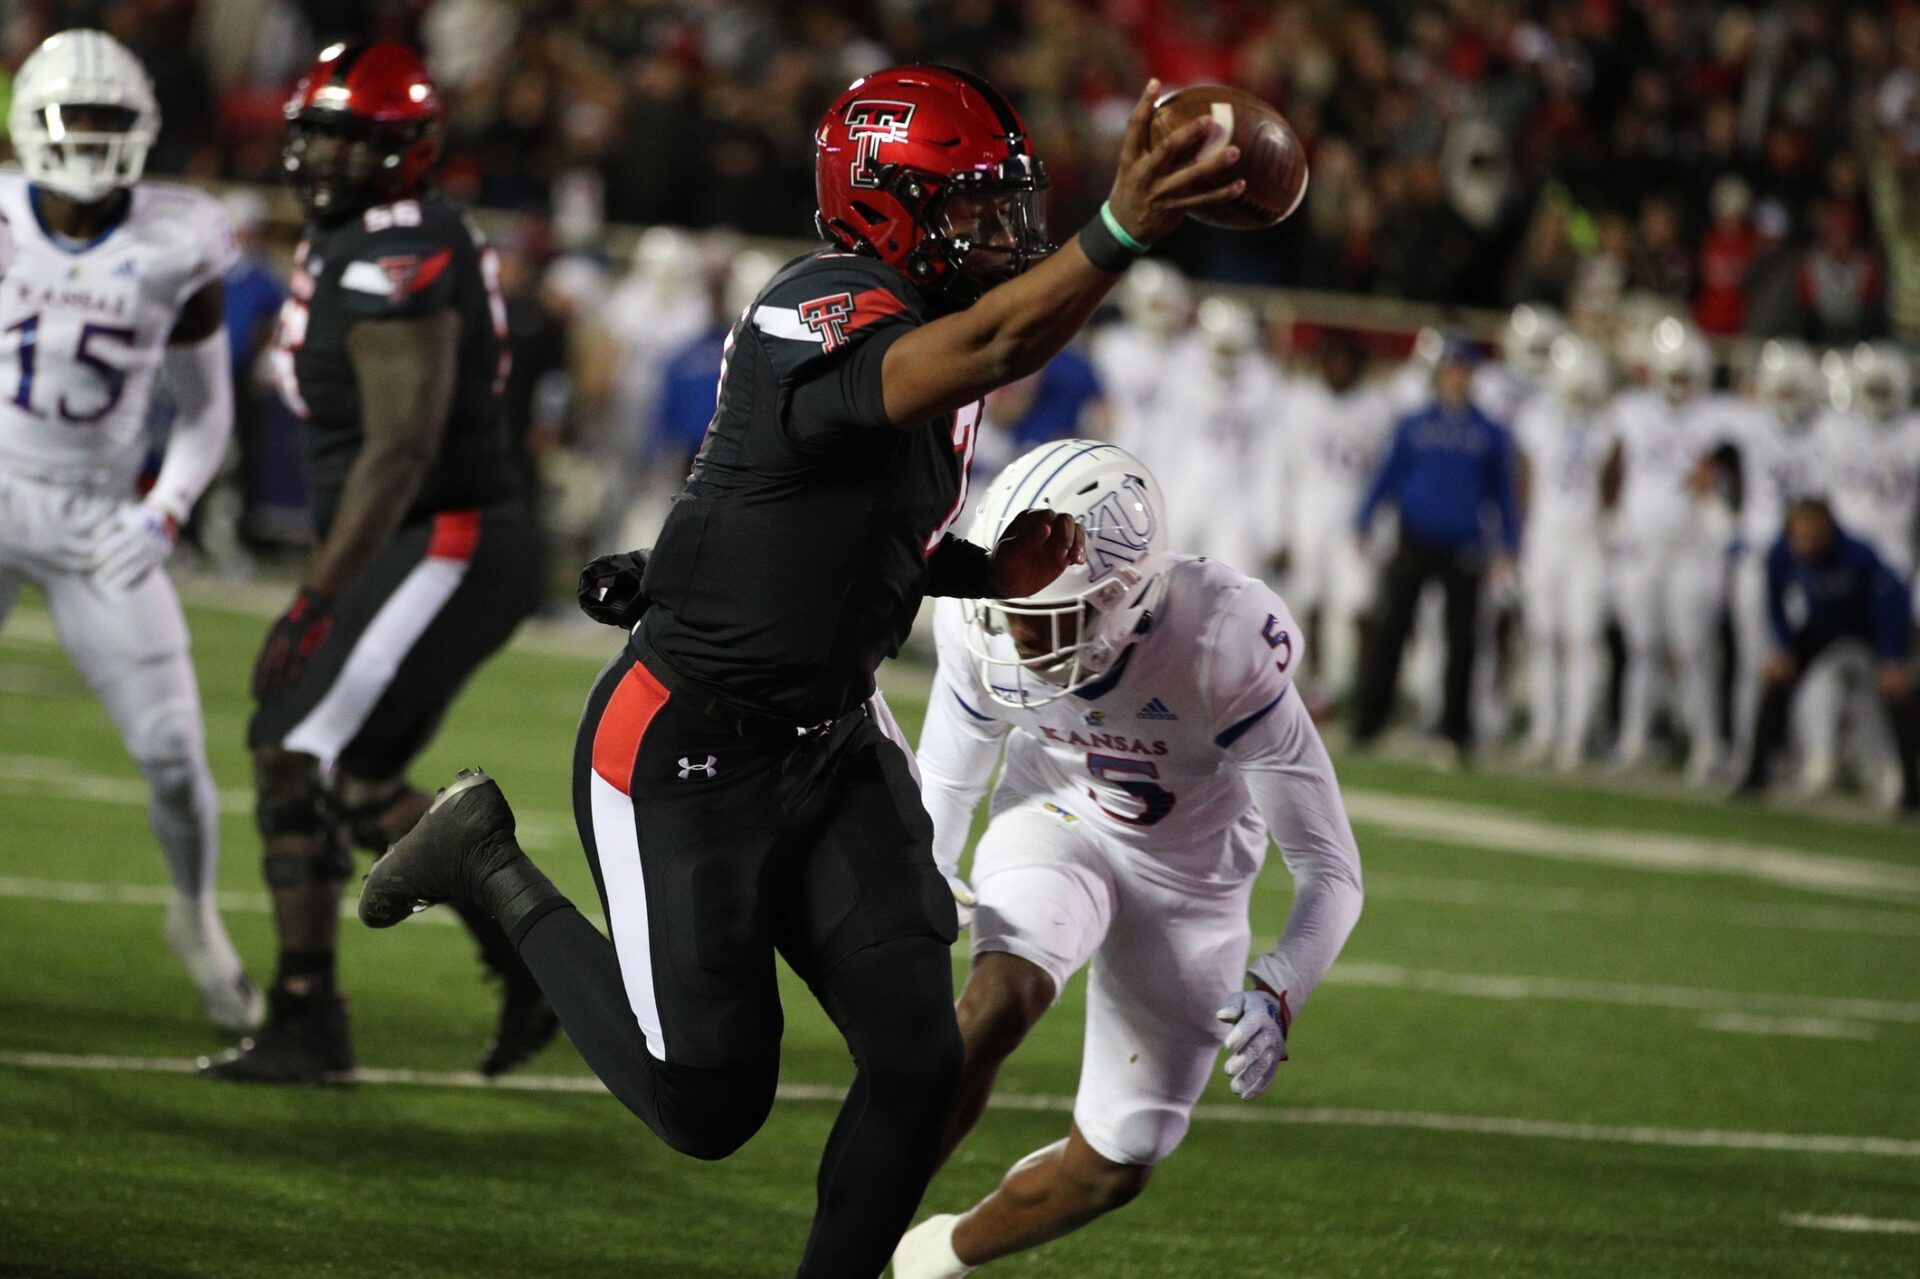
(1752, 160)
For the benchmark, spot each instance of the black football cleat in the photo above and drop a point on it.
(305, 1041)
(527, 1024)
(464, 836)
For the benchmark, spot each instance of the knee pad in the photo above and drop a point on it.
(297, 819)
(326, 861)
(167, 743)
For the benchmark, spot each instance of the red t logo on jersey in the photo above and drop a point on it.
(828, 317)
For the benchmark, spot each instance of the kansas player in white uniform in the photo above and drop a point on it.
(1568, 442)
(1225, 395)
(1133, 355)
(1780, 455)
(1337, 428)
(1873, 447)
(1152, 741)
(105, 280)
(1669, 580)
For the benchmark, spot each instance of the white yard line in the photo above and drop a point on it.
(1605, 904)
(1852, 1225)
(1489, 830)
(1469, 826)
(1627, 994)
(1323, 1117)
(1742, 1012)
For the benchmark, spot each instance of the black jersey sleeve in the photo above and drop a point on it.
(826, 324)
(410, 267)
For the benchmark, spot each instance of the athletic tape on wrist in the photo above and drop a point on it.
(1107, 244)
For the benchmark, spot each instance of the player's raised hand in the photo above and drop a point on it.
(1257, 1044)
(1036, 547)
(1158, 182)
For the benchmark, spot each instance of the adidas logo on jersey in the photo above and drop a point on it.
(1155, 709)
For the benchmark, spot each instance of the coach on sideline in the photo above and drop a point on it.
(1449, 472)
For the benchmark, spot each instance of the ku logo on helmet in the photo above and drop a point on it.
(1120, 528)
(870, 122)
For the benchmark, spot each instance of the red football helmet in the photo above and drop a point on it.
(363, 128)
(928, 168)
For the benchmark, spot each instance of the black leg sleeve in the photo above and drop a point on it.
(894, 1004)
(707, 1113)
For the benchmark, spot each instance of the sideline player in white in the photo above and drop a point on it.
(1873, 447)
(103, 280)
(1567, 441)
(1134, 354)
(1225, 395)
(1669, 582)
(1502, 389)
(1338, 425)
(1152, 742)
(1771, 431)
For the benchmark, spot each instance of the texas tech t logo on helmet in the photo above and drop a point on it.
(870, 122)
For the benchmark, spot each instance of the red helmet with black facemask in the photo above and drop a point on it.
(363, 129)
(928, 168)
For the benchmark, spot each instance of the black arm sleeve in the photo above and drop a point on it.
(958, 568)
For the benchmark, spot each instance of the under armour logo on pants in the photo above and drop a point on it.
(688, 768)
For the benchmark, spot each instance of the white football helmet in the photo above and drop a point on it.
(1679, 361)
(1528, 343)
(1093, 610)
(1786, 378)
(69, 152)
(668, 259)
(747, 274)
(1578, 375)
(1878, 382)
(1228, 332)
(1155, 298)
(1429, 344)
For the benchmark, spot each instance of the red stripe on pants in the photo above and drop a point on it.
(616, 741)
(455, 534)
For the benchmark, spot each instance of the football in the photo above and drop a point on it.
(1272, 160)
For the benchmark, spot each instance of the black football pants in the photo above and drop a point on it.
(716, 844)
(1415, 564)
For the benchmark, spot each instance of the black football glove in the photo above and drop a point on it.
(610, 589)
(294, 639)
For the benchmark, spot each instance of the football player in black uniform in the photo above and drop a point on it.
(739, 786)
(391, 346)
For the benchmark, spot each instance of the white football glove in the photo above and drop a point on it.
(963, 899)
(1257, 1044)
(135, 540)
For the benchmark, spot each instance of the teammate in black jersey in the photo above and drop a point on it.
(739, 786)
(391, 347)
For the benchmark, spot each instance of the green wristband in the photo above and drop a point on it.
(1119, 232)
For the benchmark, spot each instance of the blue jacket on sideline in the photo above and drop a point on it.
(1850, 594)
(1443, 470)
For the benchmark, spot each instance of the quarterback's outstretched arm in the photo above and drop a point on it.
(199, 374)
(1016, 327)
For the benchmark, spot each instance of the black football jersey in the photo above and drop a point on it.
(797, 555)
(409, 258)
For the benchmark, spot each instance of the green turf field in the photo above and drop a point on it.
(1578, 1032)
